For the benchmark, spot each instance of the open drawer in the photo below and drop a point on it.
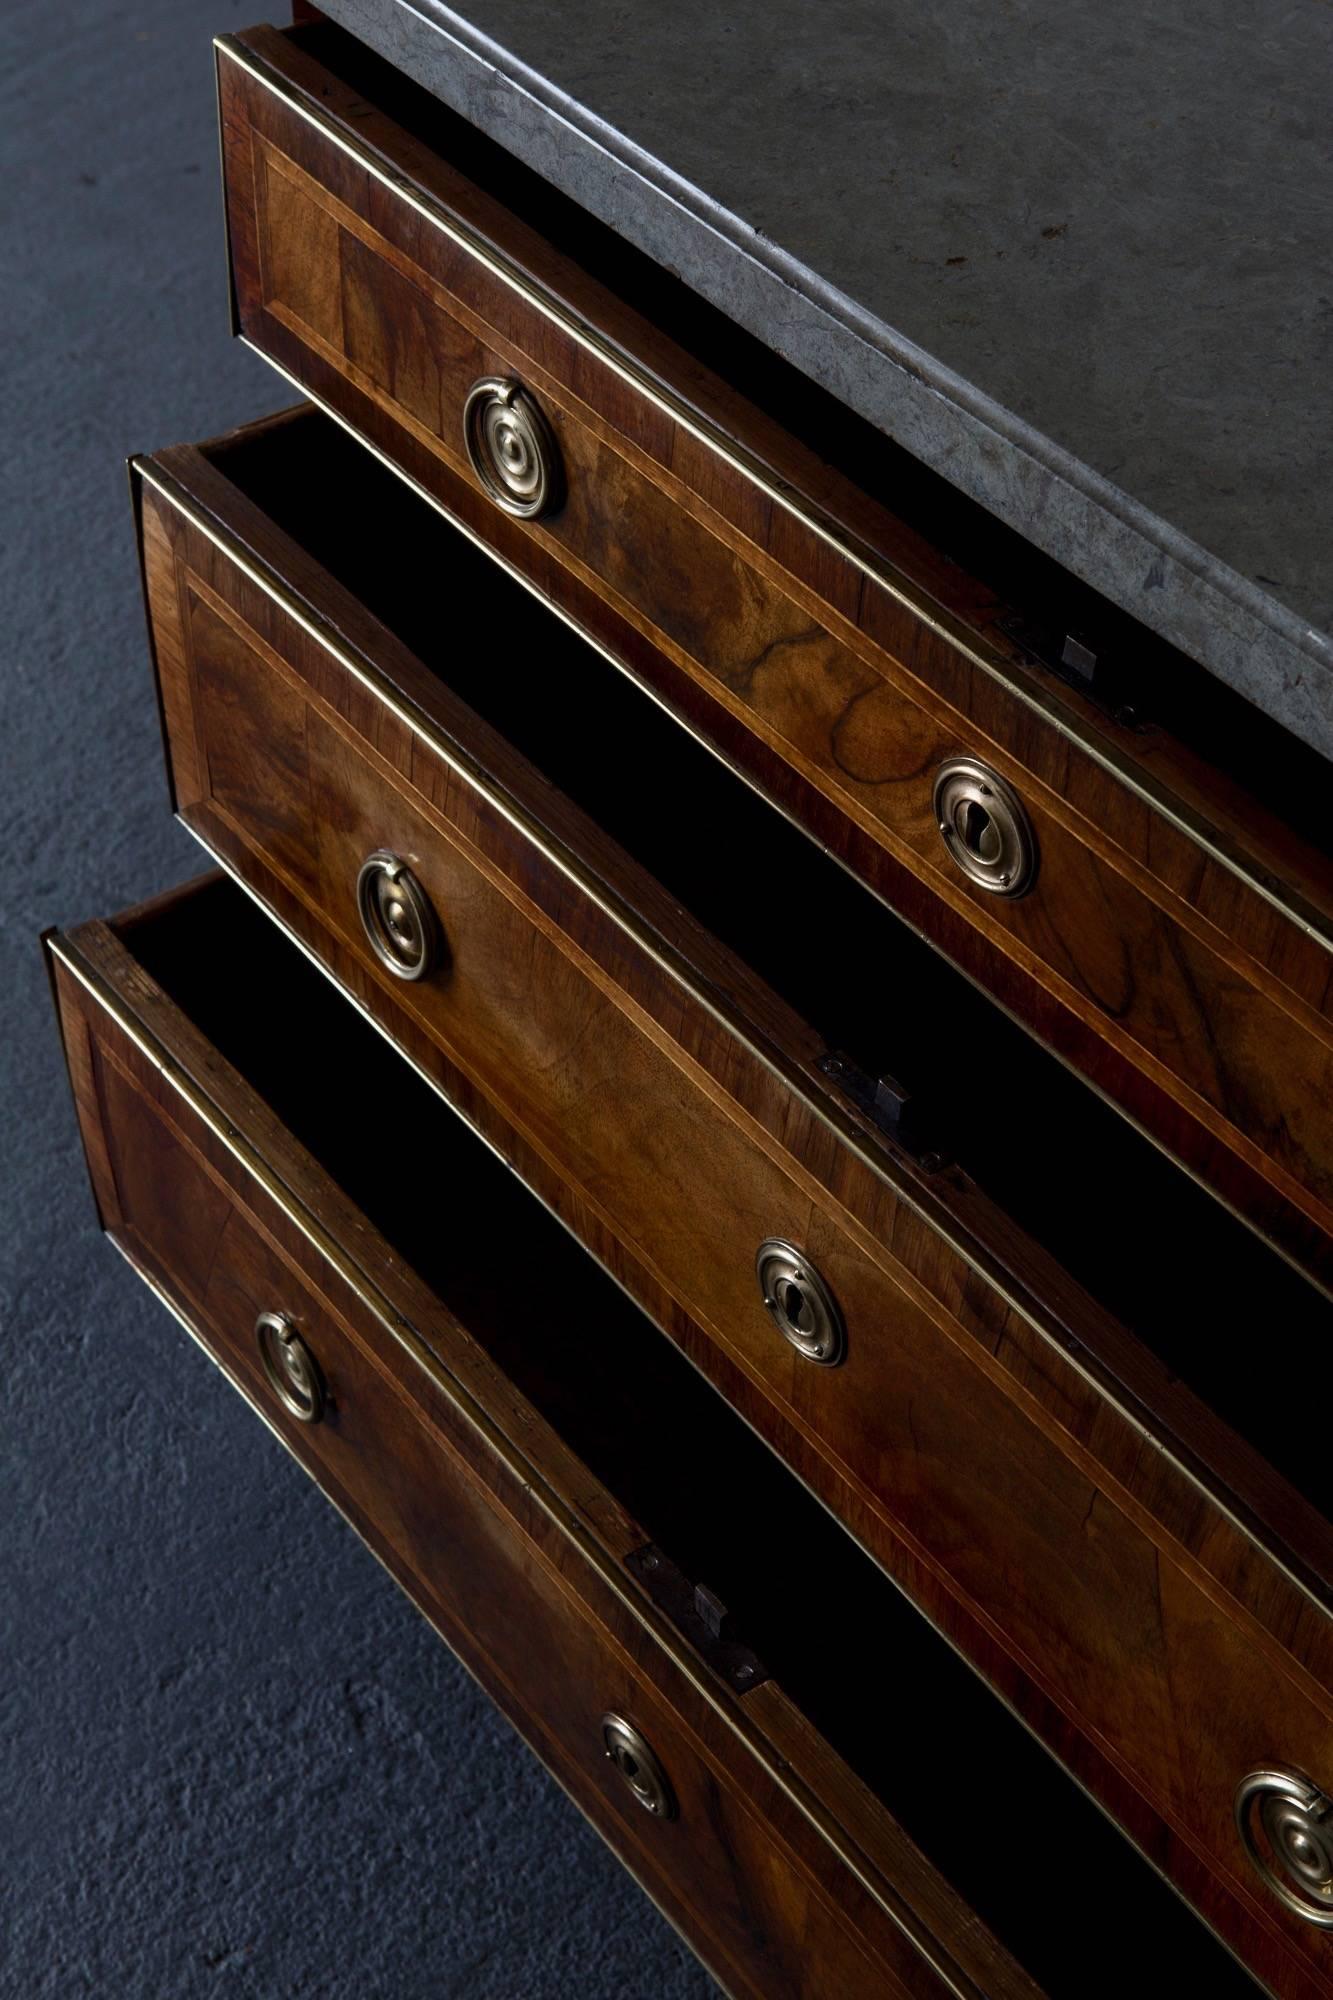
(1141, 1567)
(824, 1799)
(1164, 925)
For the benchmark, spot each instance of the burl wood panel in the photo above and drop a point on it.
(1174, 981)
(485, 1541)
(1144, 1617)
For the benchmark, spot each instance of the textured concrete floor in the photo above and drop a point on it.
(232, 1760)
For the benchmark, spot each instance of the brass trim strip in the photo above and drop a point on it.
(877, 1161)
(563, 1515)
(1289, 903)
(233, 305)
(164, 735)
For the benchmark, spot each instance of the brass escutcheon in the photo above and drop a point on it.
(799, 1302)
(983, 824)
(638, 1765)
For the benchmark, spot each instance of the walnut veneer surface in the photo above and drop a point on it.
(963, 1440)
(689, 968)
(1177, 944)
(454, 1378)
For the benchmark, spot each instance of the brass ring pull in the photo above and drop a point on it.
(1295, 1854)
(291, 1369)
(983, 824)
(799, 1302)
(637, 1764)
(512, 448)
(396, 915)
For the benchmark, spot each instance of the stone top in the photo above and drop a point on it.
(1075, 257)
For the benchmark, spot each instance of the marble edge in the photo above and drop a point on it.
(1072, 513)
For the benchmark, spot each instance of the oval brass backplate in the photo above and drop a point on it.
(512, 448)
(983, 824)
(292, 1371)
(1286, 1827)
(799, 1302)
(396, 915)
(638, 1765)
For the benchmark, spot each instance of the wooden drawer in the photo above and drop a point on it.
(484, 1392)
(1175, 944)
(1147, 1585)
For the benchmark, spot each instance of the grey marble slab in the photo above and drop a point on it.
(1076, 257)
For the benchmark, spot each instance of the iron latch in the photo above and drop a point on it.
(1082, 662)
(886, 1103)
(700, 1616)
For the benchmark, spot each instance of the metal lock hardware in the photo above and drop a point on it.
(290, 1367)
(1295, 1854)
(700, 1616)
(637, 1764)
(799, 1302)
(984, 826)
(512, 448)
(397, 916)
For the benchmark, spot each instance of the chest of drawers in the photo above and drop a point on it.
(927, 1058)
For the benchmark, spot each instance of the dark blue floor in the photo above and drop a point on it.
(234, 1762)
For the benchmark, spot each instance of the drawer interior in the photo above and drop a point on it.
(1134, 1230)
(1027, 1849)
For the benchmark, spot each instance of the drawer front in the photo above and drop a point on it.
(1093, 1580)
(478, 1536)
(1167, 949)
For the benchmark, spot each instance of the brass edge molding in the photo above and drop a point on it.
(877, 1160)
(233, 305)
(563, 1514)
(135, 484)
(1293, 906)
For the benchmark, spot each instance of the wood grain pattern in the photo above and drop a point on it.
(970, 1441)
(513, 1553)
(1167, 977)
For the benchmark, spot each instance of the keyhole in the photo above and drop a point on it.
(978, 832)
(794, 1305)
